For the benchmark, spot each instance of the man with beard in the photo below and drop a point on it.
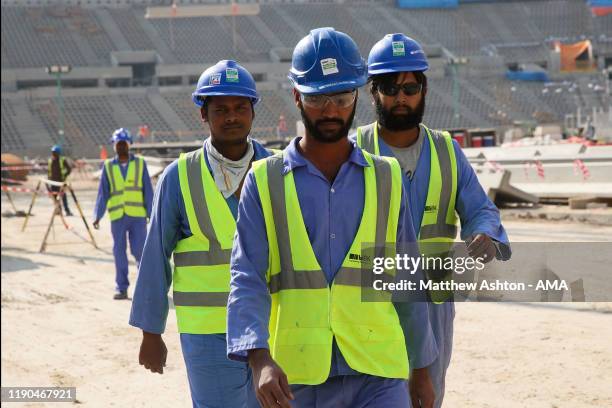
(295, 311)
(193, 220)
(437, 177)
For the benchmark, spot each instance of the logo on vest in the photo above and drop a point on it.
(431, 208)
(359, 258)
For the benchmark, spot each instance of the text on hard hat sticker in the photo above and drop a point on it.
(231, 75)
(329, 66)
(398, 48)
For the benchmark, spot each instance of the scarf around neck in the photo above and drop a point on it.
(228, 174)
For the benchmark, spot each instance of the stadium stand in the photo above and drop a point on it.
(489, 36)
(10, 136)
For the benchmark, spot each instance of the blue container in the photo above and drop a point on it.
(488, 141)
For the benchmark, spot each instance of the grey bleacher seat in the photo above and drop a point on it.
(31, 37)
(11, 140)
(196, 40)
(141, 107)
(183, 106)
(131, 30)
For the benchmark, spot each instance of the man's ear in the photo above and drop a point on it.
(296, 98)
(203, 114)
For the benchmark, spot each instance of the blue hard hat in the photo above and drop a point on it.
(327, 61)
(122, 135)
(56, 149)
(225, 78)
(396, 53)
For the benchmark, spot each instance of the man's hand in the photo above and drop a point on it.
(153, 352)
(96, 224)
(482, 247)
(270, 382)
(421, 389)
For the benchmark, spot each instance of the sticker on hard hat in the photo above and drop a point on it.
(231, 75)
(329, 66)
(398, 48)
(215, 79)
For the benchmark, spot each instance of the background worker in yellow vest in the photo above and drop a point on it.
(59, 169)
(196, 204)
(125, 190)
(295, 310)
(437, 176)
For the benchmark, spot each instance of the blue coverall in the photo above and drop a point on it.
(214, 380)
(478, 215)
(332, 213)
(126, 227)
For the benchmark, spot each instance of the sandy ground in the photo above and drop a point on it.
(61, 327)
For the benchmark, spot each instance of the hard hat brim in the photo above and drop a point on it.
(226, 90)
(327, 88)
(387, 68)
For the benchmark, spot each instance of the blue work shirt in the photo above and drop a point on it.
(477, 213)
(332, 214)
(104, 189)
(167, 226)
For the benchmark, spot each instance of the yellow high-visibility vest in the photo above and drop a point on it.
(307, 313)
(63, 168)
(201, 262)
(439, 223)
(126, 196)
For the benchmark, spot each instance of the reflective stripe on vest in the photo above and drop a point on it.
(62, 164)
(439, 223)
(126, 196)
(201, 262)
(306, 312)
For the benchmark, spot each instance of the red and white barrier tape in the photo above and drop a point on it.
(17, 189)
(580, 166)
(29, 190)
(8, 180)
(23, 167)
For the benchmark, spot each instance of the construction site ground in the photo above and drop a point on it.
(61, 327)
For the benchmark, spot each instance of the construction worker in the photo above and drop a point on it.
(58, 169)
(295, 312)
(125, 189)
(437, 176)
(194, 218)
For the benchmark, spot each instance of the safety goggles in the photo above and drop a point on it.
(341, 100)
(409, 89)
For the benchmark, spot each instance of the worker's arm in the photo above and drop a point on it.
(150, 302)
(248, 309)
(414, 317)
(67, 167)
(147, 190)
(478, 214)
(102, 199)
(413, 309)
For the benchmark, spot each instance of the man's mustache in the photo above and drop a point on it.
(320, 122)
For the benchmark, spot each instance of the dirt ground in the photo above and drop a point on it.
(61, 327)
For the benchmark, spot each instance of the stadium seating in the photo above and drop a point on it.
(512, 32)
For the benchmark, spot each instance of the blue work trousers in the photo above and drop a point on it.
(352, 391)
(216, 381)
(441, 317)
(134, 229)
